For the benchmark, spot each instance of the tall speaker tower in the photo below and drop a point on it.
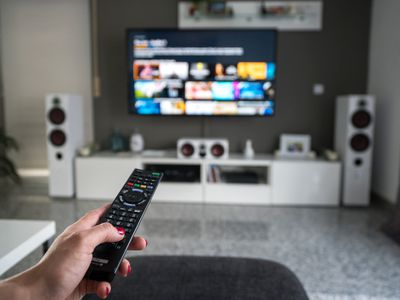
(354, 130)
(65, 134)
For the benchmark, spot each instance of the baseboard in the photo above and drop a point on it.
(378, 200)
(33, 172)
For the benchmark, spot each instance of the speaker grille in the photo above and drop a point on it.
(187, 149)
(217, 150)
(361, 119)
(57, 137)
(56, 116)
(360, 142)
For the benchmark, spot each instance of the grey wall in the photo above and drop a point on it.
(336, 57)
(384, 82)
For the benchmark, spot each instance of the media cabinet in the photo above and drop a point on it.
(279, 181)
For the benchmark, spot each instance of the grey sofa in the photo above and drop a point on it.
(192, 277)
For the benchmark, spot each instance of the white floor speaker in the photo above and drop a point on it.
(65, 134)
(354, 130)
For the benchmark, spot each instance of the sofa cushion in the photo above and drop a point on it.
(193, 277)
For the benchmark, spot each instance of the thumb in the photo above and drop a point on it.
(103, 233)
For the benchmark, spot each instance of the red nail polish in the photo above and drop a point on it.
(129, 269)
(107, 291)
(121, 231)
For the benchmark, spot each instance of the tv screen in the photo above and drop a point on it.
(202, 72)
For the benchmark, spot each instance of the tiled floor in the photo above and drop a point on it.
(336, 253)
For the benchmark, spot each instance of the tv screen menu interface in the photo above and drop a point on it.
(194, 72)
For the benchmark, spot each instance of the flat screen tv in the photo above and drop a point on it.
(202, 72)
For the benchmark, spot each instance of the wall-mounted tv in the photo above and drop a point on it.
(202, 72)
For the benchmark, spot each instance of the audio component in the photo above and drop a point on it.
(354, 132)
(203, 148)
(65, 135)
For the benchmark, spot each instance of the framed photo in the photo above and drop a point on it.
(295, 145)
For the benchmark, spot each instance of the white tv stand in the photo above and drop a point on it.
(281, 181)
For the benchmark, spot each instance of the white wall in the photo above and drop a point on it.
(45, 48)
(384, 82)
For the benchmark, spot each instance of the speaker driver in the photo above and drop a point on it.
(56, 116)
(187, 149)
(217, 150)
(361, 119)
(57, 137)
(360, 142)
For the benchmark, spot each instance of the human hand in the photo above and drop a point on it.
(59, 274)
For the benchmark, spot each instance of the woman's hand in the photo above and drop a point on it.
(59, 274)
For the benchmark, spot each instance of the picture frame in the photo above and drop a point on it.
(295, 145)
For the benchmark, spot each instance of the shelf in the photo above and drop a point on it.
(239, 159)
(237, 174)
(290, 16)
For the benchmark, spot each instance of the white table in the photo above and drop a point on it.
(18, 238)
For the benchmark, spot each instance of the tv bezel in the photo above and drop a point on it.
(130, 59)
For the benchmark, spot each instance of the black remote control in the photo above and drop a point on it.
(127, 212)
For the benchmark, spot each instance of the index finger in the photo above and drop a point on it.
(90, 219)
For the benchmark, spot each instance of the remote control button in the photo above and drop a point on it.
(135, 196)
(130, 183)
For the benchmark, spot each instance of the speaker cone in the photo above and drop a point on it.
(187, 149)
(56, 116)
(57, 137)
(217, 150)
(361, 119)
(360, 142)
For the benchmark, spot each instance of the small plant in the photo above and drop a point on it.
(7, 167)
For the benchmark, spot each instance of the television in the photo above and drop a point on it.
(202, 72)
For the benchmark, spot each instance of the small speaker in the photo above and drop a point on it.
(354, 131)
(203, 148)
(65, 134)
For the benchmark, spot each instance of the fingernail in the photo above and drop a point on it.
(107, 291)
(146, 243)
(129, 269)
(121, 231)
